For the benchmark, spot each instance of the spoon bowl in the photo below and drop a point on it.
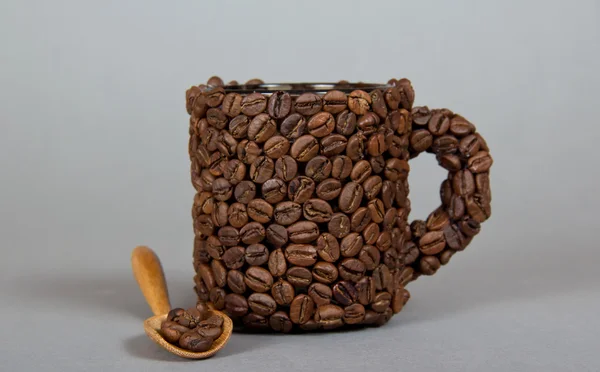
(148, 272)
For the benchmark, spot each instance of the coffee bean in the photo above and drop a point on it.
(226, 144)
(438, 219)
(355, 149)
(352, 269)
(360, 219)
(261, 128)
(217, 297)
(256, 322)
(172, 331)
(480, 162)
(252, 233)
(418, 228)
(257, 254)
(258, 279)
(203, 225)
(456, 209)
(262, 304)
(354, 314)
(305, 148)
(301, 189)
(361, 171)
(460, 127)
(381, 302)
(308, 104)
(344, 293)
(329, 316)
(438, 124)
(325, 272)
(276, 147)
(389, 219)
(339, 225)
(214, 247)
(378, 103)
(253, 104)
(222, 189)
(280, 322)
(392, 98)
(446, 144)
(377, 164)
(446, 192)
(301, 254)
(245, 191)
(341, 167)
(359, 102)
(384, 241)
(236, 305)
(310, 326)
(368, 123)
(328, 247)
(350, 197)
(428, 265)
(329, 189)
(235, 281)
(293, 126)
(219, 214)
(406, 275)
(260, 210)
(215, 81)
(248, 151)
(283, 292)
(468, 146)
(261, 169)
(190, 96)
(388, 193)
(277, 263)
(317, 210)
(345, 123)
(238, 126)
(320, 293)
(232, 104)
(382, 277)
(234, 171)
(366, 290)
(351, 245)
(287, 212)
(200, 253)
(321, 124)
(333, 144)
(445, 256)
(195, 342)
(209, 137)
(218, 162)
(302, 309)
(401, 192)
(219, 272)
(478, 207)
(482, 144)
(370, 256)
(286, 168)
(463, 183)
(334, 101)
(450, 162)
(299, 277)
(421, 140)
(280, 104)
(216, 118)
(432, 243)
(396, 169)
(318, 168)
(200, 289)
(376, 144)
(469, 226)
(376, 209)
(277, 235)
(274, 190)
(229, 236)
(234, 257)
(482, 184)
(303, 232)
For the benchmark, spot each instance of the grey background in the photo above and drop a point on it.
(93, 161)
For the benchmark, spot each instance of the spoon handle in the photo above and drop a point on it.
(149, 274)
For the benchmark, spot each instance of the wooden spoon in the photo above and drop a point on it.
(150, 277)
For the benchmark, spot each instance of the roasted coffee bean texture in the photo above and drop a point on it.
(194, 329)
(301, 212)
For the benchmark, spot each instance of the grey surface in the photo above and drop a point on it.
(93, 161)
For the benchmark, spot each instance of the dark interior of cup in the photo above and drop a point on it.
(299, 88)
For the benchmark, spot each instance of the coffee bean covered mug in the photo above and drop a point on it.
(301, 207)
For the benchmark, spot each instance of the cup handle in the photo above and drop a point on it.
(465, 194)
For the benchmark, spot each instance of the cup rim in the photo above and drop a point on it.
(296, 88)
